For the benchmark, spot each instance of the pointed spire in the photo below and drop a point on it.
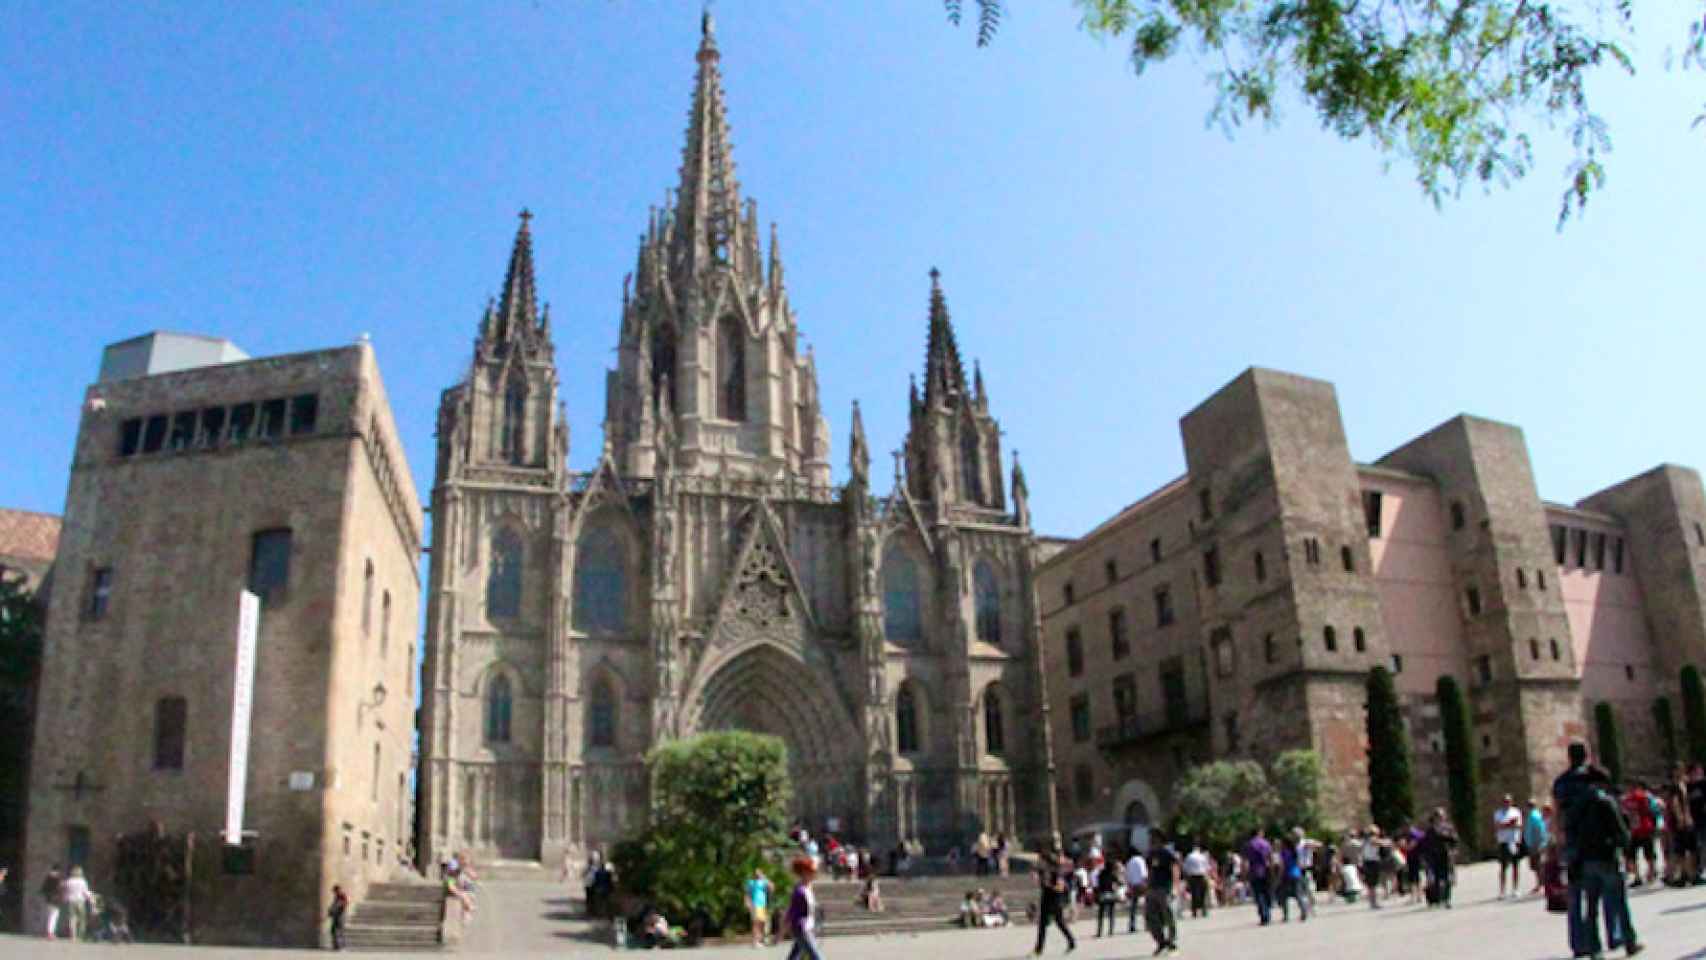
(1021, 493)
(977, 385)
(858, 450)
(944, 374)
(708, 206)
(518, 310)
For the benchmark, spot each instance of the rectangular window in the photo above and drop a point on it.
(1117, 641)
(1155, 550)
(1163, 607)
(1211, 566)
(1074, 653)
(130, 437)
(1617, 556)
(269, 566)
(1599, 551)
(1081, 718)
(1473, 597)
(100, 592)
(272, 420)
(1068, 594)
(1581, 547)
(304, 413)
(1112, 569)
(1397, 663)
(213, 427)
(1560, 543)
(242, 422)
(154, 434)
(1084, 785)
(170, 716)
(1371, 507)
(1125, 697)
(183, 432)
(1311, 551)
(1173, 690)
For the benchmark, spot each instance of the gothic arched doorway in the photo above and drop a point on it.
(766, 689)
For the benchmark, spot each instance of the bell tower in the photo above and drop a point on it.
(953, 445)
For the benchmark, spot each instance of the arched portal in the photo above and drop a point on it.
(767, 689)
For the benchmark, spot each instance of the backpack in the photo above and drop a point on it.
(1641, 808)
(1605, 831)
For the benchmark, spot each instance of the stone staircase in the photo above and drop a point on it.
(916, 904)
(397, 916)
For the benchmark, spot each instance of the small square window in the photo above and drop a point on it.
(304, 413)
(130, 437)
(1330, 639)
(1359, 640)
(100, 593)
(154, 434)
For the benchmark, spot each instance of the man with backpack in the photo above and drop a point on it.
(1644, 813)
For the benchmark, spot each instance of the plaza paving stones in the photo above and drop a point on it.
(530, 919)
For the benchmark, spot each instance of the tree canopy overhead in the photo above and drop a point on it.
(1456, 88)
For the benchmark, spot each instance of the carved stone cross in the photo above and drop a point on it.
(78, 785)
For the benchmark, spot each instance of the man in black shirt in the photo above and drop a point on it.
(1053, 869)
(1158, 902)
(1697, 812)
(1569, 792)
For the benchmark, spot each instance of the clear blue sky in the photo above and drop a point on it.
(291, 177)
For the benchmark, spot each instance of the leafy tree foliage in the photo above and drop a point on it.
(20, 659)
(1454, 88)
(1391, 785)
(720, 809)
(1220, 803)
(1694, 713)
(1665, 723)
(1460, 760)
(1610, 739)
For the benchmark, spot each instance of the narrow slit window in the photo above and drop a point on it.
(183, 432)
(212, 427)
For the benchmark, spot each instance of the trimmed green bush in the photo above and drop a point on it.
(1460, 761)
(1666, 726)
(1610, 739)
(1391, 785)
(1694, 713)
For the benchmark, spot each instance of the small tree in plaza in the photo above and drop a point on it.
(1665, 723)
(1694, 713)
(1610, 739)
(1460, 760)
(1219, 803)
(1296, 779)
(1391, 786)
(720, 810)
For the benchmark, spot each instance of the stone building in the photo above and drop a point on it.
(282, 475)
(1237, 610)
(28, 542)
(707, 575)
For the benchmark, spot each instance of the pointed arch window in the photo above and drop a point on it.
(971, 467)
(503, 579)
(731, 370)
(902, 623)
(906, 720)
(986, 595)
(600, 582)
(515, 418)
(994, 734)
(601, 716)
(498, 707)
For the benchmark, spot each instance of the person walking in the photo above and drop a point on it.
(51, 892)
(1257, 853)
(1376, 850)
(758, 888)
(802, 911)
(335, 913)
(1196, 869)
(1158, 913)
(1137, 884)
(1534, 840)
(1507, 833)
(1053, 870)
(75, 895)
(1645, 814)
(1306, 848)
(1290, 879)
(1436, 853)
(1107, 895)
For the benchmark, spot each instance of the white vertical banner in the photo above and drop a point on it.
(242, 704)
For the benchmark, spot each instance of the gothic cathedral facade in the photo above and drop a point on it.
(706, 574)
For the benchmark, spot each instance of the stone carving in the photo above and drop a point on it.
(666, 549)
(761, 605)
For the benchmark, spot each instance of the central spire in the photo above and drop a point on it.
(944, 374)
(518, 310)
(707, 211)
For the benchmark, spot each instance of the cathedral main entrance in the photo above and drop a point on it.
(768, 689)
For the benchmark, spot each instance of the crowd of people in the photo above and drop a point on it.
(72, 907)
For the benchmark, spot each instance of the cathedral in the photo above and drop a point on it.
(707, 574)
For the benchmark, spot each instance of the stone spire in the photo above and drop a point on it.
(944, 374)
(707, 209)
(1021, 493)
(859, 451)
(518, 309)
